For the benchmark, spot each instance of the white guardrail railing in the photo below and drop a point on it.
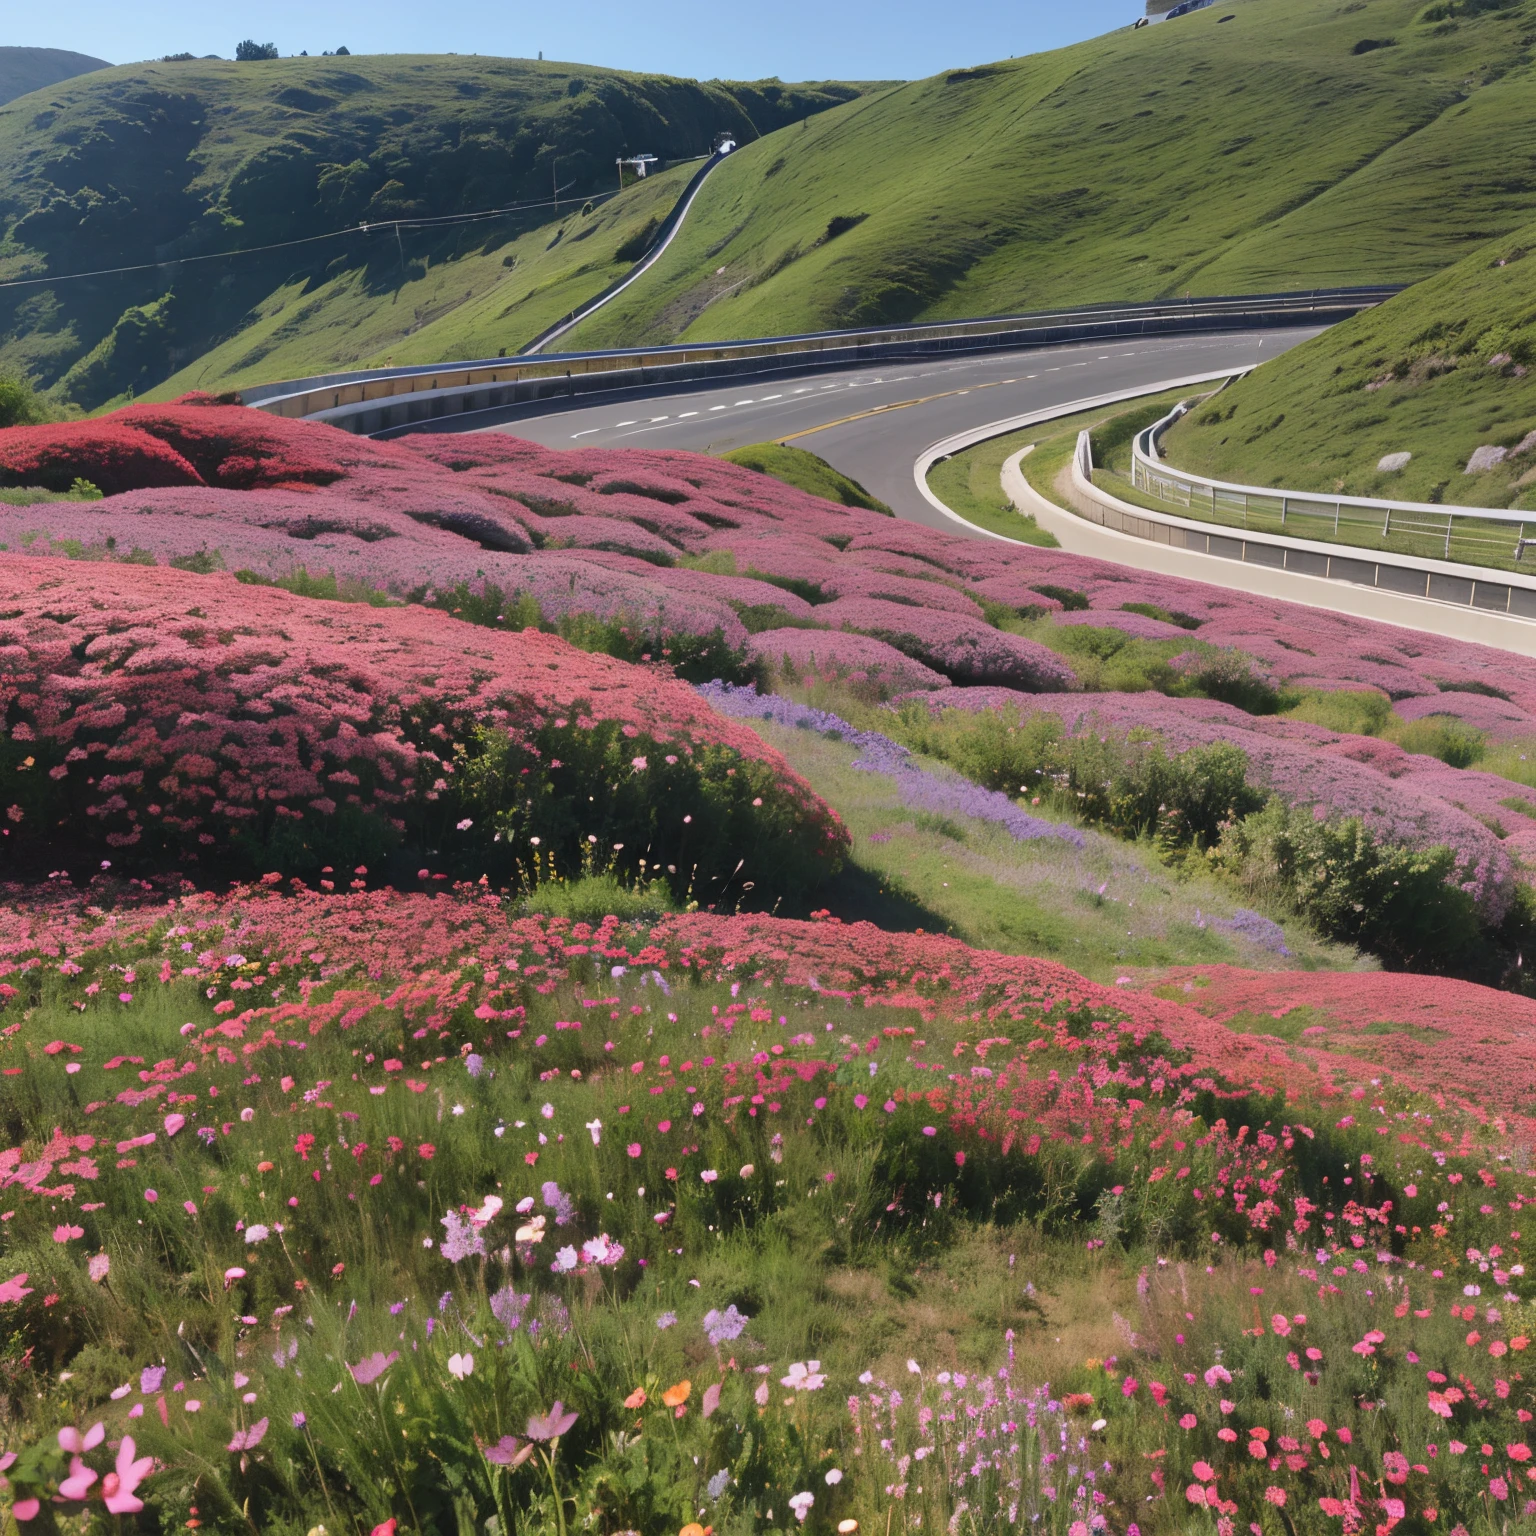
(1222, 533)
(1485, 536)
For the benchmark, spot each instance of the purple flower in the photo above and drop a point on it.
(556, 1200)
(722, 1327)
(511, 1452)
(150, 1378)
(463, 1240)
(368, 1370)
(249, 1439)
(552, 1425)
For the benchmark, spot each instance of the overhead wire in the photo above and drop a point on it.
(437, 221)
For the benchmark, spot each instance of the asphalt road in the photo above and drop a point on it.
(872, 423)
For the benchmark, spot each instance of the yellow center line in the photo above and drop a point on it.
(898, 405)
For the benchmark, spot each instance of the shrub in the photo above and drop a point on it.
(1130, 786)
(1400, 903)
(284, 735)
(19, 403)
(110, 455)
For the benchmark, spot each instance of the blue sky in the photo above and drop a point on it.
(730, 39)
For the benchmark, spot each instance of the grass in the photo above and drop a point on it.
(969, 482)
(806, 472)
(1212, 157)
(1110, 907)
(150, 162)
(1437, 372)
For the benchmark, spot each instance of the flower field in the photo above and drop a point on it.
(346, 1188)
(488, 1235)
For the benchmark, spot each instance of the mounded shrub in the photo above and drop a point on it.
(157, 718)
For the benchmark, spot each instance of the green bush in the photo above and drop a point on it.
(1400, 903)
(20, 405)
(1128, 786)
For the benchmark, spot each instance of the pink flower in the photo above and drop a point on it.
(119, 1485)
(14, 1290)
(63, 1234)
(1188, 1421)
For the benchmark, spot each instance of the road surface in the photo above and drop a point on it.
(873, 422)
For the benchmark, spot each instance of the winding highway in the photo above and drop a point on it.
(872, 423)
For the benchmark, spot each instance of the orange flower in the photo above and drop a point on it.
(636, 1399)
(675, 1397)
(696, 1529)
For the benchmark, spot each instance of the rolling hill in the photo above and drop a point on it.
(160, 163)
(24, 70)
(1439, 372)
(1257, 145)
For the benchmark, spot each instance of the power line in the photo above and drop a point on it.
(438, 221)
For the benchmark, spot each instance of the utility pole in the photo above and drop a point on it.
(554, 179)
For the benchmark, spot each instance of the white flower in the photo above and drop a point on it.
(531, 1232)
(865, 1377)
(914, 1367)
(255, 1233)
(801, 1504)
(804, 1376)
(834, 1477)
(460, 1366)
(458, 1109)
(1099, 1424)
(596, 1128)
(525, 1205)
(565, 1260)
(548, 1111)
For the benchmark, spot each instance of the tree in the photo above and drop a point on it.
(249, 51)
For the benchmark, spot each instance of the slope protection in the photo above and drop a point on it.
(1252, 147)
(161, 162)
(23, 70)
(1439, 372)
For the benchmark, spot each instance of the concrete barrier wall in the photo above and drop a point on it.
(1105, 528)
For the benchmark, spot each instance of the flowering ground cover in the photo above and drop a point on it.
(168, 720)
(1432, 1033)
(523, 1228)
(381, 1193)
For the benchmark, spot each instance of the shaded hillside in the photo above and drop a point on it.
(24, 70)
(1440, 372)
(161, 162)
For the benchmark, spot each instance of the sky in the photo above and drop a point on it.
(725, 39)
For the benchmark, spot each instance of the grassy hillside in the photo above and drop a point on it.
(470, 296)
(1256, 145)
(23, 70)
(162, 162)
(1439, 372)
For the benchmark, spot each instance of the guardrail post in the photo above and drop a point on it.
(1386, 526)
(1449, 519)
(1338, 508)
(1285, 502)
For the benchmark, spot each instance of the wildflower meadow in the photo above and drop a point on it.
(421, 1117)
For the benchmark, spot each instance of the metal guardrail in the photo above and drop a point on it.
(391, 400)
(1400, 574)
(1483, 536)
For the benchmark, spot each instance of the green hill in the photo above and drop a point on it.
(1440, 371)
(157, 163)
(23, 70)
(1257, 145)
